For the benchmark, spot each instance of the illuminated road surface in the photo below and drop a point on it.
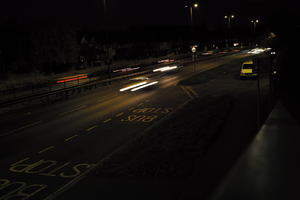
(47, 147)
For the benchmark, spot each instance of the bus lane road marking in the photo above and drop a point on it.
(146, 115)
(18, 189)
(49, 168)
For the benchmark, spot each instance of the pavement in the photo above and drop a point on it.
(269, 168)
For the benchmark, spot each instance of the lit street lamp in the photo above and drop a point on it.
(191, 7)
(229, 18)
(254, 22)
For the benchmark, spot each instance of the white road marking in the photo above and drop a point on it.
(71, 138)
(91, 128)
(22, 128)
(46, 149)
(76, 109)
(187, 92)
(132, 108)
(192, 91)
(107, 120)
(120, 114)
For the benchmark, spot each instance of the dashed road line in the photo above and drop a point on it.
(107, 120)
(132, 108)
(46, 149)
(75, 109)
(71, 138)
(91, 128)
(22, 128)
(119, 114)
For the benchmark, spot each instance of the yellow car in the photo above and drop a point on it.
(248, 69)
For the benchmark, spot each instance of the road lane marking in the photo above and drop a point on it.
(22, 128)
(187, 92)
(192, 91)
(132, 108)
(107, 120)
(74, 110)
(119, 114)
(46, 149)
(91, 128)
(71, 138)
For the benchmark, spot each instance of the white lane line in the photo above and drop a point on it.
(46, 149)
(71, 138)
(187, 92)
(120, 114)
(75, 109)
(107, 120)
(192, 91)
(91, 128)
(22, 128)
(132, 108)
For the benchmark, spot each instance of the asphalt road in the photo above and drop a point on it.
(45, 147)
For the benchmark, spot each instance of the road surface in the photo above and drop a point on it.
(46, 147)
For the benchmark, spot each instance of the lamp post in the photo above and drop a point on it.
(254, 22)
(191, 8)
(229, 18)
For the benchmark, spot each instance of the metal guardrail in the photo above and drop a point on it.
(66, 92)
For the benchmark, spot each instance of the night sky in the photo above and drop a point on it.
(126, 13)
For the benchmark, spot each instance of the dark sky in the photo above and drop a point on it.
(124, 13)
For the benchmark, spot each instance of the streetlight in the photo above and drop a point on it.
(255, 22)
(191, 7)
(229, 18)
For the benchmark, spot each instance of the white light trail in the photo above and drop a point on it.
(144, 86)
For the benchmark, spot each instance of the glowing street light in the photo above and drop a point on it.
(255, 22)
(229, 18)
(191, 7)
